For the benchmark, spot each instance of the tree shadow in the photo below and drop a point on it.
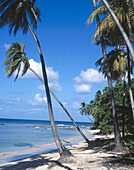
(33, 162)
(124, 161)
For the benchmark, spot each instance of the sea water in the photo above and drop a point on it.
(18, 135)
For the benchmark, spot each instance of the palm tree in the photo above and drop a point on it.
(108, 28)
(16, 55)
(126, 38)
(19, 14)
(118, 64)
(84, 110)
(118, 143)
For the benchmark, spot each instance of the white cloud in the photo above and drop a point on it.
(82, 88)
(6, 46)
(38, 100)
(54, 86)
(53, 76)
(84, 81)
(76, 105)
(17, 99)
(90, 76)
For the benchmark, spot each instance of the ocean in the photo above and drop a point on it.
(16, 134)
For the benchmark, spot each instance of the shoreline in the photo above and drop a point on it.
(85, 158)
(7, 157)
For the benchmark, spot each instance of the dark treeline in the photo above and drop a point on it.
(101, 110)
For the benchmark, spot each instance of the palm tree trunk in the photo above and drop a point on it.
(77, 127)
(63, 151)
(123, 104)
(118, 143)
(129, 86)
(89, 118)
(120, 28)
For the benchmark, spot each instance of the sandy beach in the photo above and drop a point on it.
(85, 158)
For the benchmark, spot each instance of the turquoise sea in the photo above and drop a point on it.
(18, 134)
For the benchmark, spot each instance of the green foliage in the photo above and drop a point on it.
(107, 27)
(101, 110)
(16, 55)
(17, 14)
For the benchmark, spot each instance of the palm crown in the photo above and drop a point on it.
(18, 13)
(15, 56)
(117, 63)
(108, 27)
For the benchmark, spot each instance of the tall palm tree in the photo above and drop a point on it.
(108, 28)
(84, 110)
(16, 55)
(19, 14)
(126, 38)
(118, 64)
(118, 143)
(123, 11)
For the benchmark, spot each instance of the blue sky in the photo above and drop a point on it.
(70, 57)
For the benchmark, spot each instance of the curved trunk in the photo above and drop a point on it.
(118, 143)
(129, 86)
(63, 151)
(128, 58)
(77, 127)
(120, 28)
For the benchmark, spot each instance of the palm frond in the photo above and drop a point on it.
(95, 13)
(26, 66)
(18, 71)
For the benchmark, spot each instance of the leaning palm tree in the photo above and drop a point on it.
(16, 55)
(118, 143)
(84, 110)
(23, 14)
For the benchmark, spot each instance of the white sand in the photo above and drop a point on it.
(84, 158)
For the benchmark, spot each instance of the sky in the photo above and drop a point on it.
(70, 56)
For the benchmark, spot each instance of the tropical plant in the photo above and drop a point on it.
(16, 55)
(19, 14)
(107, 28)
(126, 38)
(118, 143)
(84, 110)
(102, 110)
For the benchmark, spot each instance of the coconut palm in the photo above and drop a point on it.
(84, 110)
(108, 28)
(126, 38)
(16, 55)
(118, 143)
(118, 64)
(23, 14)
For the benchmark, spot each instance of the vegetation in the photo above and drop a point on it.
(101, 110)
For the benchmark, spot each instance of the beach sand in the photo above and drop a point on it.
(85, 158)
